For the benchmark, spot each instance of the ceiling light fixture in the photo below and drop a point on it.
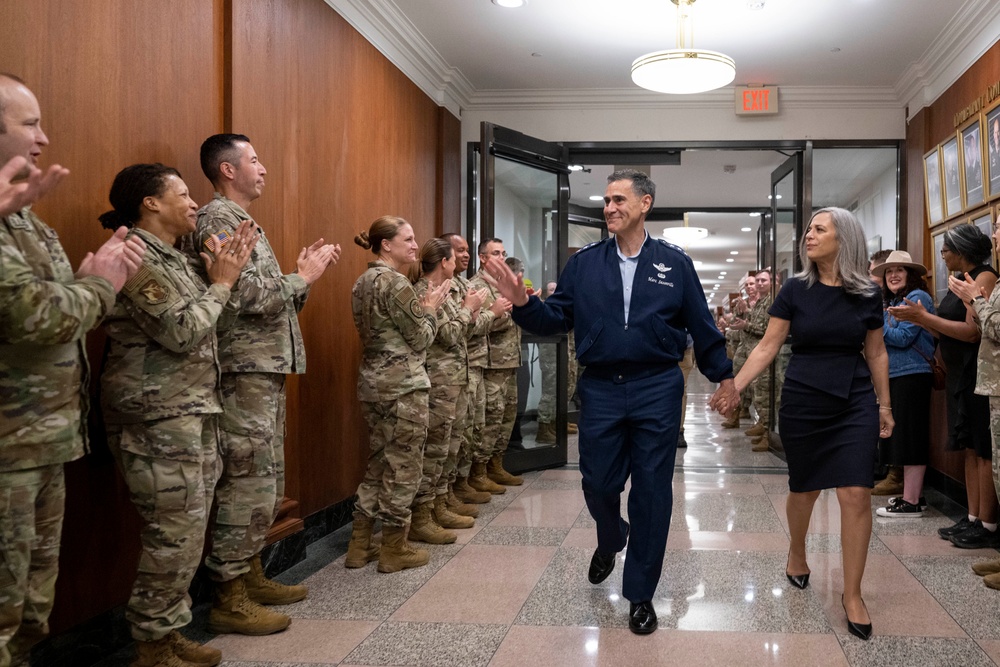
(684, 70)
(509, 3)
(745, 229)
(684, 236)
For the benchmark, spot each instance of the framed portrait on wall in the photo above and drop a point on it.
(940, 276)
(972, 163)
(991, 133)
(952, 177)
(983, 220)
(932, 186)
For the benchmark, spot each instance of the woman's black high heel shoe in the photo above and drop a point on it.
(800, 581)
(859, 630)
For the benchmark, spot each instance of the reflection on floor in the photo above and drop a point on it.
(513, 591)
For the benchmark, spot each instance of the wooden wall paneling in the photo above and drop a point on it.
(118, 82)
(346, 138)
(449, 176)
(971, 85)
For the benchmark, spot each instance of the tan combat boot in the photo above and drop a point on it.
(234, 612)
(480, 482)
(986, 567)
(156, 654)
(467, 494)
(396, 553)
(571, 428)
(193, 652)
(262, 590)
(756, 430)
(761, 443)
(546, 433)
(496, 473)
(891, 485)
(992, 581)
(423, 527)
(448, 519)
(732, 422)
(360, 550)
(458, 507)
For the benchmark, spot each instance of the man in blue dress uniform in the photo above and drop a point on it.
(632, 301)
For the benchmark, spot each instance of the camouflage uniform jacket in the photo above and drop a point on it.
(987, 318)
(478, 346)
(757, 321)
(265, 338)
(447, 358)
(44, 316)
(504, 338)
(395, 334)
(162, 358)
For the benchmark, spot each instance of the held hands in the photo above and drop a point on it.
(116, 261)
(229, 262)
(510, 285)
(312, 261)
(912, 311)
(435, 296)
(726, 398)
(15, 196)
(966, 290)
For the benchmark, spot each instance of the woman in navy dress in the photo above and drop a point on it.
(829, 420)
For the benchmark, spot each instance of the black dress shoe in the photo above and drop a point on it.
(601, 566)
(641, 617)
(859, 630)
(800, 581)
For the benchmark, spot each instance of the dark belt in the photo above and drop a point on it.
(622, 373)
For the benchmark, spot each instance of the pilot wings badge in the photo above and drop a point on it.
(662, 268)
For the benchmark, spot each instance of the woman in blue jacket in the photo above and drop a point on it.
(911, 349)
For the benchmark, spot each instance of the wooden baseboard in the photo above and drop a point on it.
(287, 522)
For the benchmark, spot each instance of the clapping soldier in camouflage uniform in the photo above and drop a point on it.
(160, 396)
(753, 332)
(500, 379)
(474, 416)
(447, 365)
(256, 351)
(45, 313)
(396, 328)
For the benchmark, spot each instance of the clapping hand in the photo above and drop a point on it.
(435, 296)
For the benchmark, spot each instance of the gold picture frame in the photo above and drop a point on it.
(991, 154)
(951, 177)
(971, 160)
(933, 188)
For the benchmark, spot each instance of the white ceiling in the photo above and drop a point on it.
(469, 53)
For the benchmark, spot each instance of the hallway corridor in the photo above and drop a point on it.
(513, 591)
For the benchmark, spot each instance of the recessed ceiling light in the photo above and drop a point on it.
(755, 214)
(575, 167)
(734, 252)
(509, 3)
(745, 229)
(730, 260)
(722, 273)
(596, 197)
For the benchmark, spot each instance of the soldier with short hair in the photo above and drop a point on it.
(503, 358)
(753, 332)
(45, 314)
(255, 352)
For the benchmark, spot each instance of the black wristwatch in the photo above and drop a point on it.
(973, 300)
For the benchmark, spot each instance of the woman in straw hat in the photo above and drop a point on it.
(911, 349)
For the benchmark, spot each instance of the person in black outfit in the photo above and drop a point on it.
(965, 249)
(829, 419)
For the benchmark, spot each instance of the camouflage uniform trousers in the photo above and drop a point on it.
(761, 388)
(501, 410)
(32, 502)
(174, 499)
(252, 484)
(442, 401)
(396, 432)
(457, 448)
(475, 422)
(995, 432)
(686, 364)
(547, 401)
(738, 361)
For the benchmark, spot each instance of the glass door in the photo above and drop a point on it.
(779, 234)
(523, 195)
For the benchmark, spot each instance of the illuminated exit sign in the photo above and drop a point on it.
(756, 100)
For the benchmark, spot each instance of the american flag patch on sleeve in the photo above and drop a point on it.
(218, 241)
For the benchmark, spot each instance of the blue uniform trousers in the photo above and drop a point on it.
(629, 427)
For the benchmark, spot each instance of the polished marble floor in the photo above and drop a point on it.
(513, 590)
